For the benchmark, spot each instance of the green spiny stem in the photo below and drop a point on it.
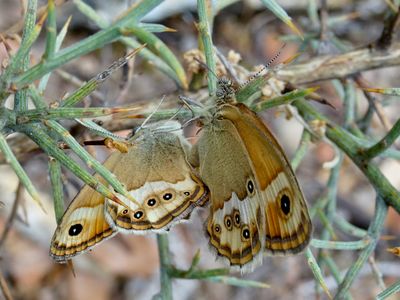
(330, 263)
(348, 228)
(316, 270)
(19, 171)
(161, 50)
(206, 38)
(197, 274)
(391, 290)
(284, 99)
(130, 42)
(237, 281)
(349, 144)
(20, 61)
(301, 150)
(79, 94)
(38, 115)
(383, 144)
(373, 232)
(87, 45)
(334, 245)
(165, 263)
(57, 188)
(52, 44)
(39, 135)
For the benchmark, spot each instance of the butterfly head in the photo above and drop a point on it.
(225, 91)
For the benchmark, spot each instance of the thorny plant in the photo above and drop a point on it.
(351, 138)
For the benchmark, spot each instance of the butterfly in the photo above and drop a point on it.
(256, 203)
(157, 175)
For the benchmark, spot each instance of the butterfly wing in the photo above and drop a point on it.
(248, 176)
(236, 219)
(288, 225)
(83, 224)
(158, 176)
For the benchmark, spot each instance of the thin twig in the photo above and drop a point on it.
(390, 22)
(339, 66)
(12, 216)
(4, 288)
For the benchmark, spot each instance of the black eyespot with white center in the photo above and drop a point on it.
(285, 204)
(250, 187)
(236, 218)
(137, 215)
(75, 229)
(125, 211)
(167, 196)
(186, 193)
(217, 228)
(245, 233)
(151, 202)
(228, 222)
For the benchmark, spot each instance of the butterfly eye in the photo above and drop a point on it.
(75, 229)
(151, 202)
(138, 214)
(245, 233)
(285, 204)
(236, 218)
(250, 187)
(228, 222)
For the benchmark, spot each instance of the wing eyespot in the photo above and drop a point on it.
(217, 229)
(75, 229)
(236, 218)
(167, 196)
(285, 204)
(186, 193)
(250, 187)
(151, 202)
(138, 214)
(228, 222)
(245, 233)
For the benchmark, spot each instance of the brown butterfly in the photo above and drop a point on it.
(156, 173)
(256, 201)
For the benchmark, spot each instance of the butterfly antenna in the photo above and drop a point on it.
(228, 66)
(265, 67)
(206, 67)
(92, 126)
(186, 103)
(150, 115)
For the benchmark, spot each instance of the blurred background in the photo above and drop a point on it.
(126, 266)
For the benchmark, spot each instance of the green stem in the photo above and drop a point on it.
(165, 263)
(57, 187)
(383, 144)
(205, 34)
(373, 232)
(301, 150)
(95, 41)
(350, 145)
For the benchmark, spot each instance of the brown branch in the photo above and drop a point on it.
(390, 23)
(12, 216)
(339, 66)
(4, 287)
